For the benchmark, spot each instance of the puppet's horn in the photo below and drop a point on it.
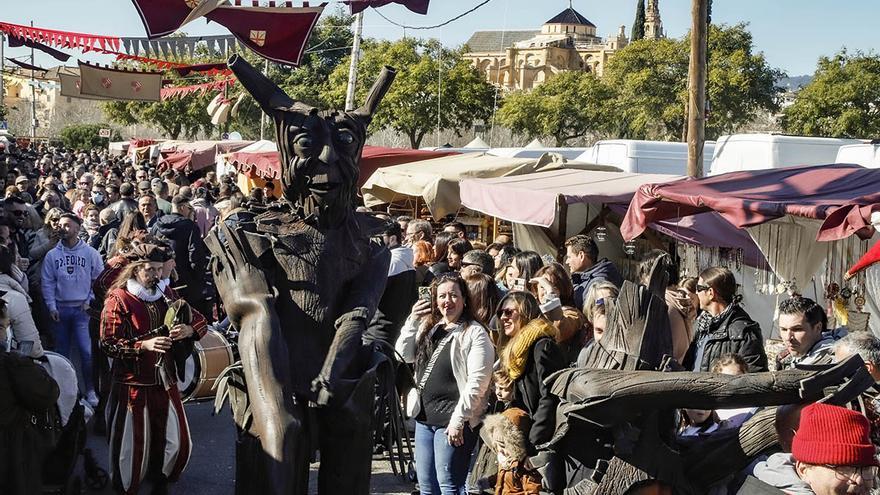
(268, 95)
(377, 92)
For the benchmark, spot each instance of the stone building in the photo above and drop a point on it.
(522, 60)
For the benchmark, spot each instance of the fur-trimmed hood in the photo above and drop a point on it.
(508, 431)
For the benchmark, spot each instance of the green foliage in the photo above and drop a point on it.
(85, 136)
(842, 100)
(638, 29)
(411, 106)
(4, 111)
(650, 78)
(566, 107)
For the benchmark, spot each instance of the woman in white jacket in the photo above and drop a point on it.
(453, 358)
(18, 305)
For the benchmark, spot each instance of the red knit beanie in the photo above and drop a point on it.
(833, 435)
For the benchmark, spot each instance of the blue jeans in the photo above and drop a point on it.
(442, 469)
(73, 326)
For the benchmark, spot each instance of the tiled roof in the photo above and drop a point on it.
(497, 41)
(570, 16)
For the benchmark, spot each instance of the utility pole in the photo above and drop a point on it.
(263, 115)
(33, 95)
(355, 58)
(696, 129)
(2, 69)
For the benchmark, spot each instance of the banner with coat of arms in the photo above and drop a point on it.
(119, 84)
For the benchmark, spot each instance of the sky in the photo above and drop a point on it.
(792, 34)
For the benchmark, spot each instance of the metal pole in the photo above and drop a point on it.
(263, 115)
(2, 69)
(33, 95)
(696, 135)
(355, 58)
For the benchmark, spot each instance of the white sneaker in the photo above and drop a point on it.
(92, 399)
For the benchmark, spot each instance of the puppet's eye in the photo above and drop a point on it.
(304, 141)
(345, 137)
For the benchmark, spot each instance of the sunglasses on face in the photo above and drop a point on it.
(507, 312)
(19, 213)
(702, 288)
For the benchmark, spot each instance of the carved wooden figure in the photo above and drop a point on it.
(300, 282)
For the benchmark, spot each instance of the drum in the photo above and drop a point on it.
(211, 355)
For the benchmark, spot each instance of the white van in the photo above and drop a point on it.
(865, 154)
(644, 157)
(568, 153)
(738, 152)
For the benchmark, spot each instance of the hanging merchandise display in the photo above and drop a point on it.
(120, 84)
(279, 34)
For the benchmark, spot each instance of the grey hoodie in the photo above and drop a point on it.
(778, 471)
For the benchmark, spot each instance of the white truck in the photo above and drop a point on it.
(644, 157)
(865, 154)
(739, 152)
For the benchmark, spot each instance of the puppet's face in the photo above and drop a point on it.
(319, 156)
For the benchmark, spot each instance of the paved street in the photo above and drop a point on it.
(211, 470)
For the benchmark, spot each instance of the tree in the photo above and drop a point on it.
(435, 88)
(85, 136)
(650, 78)
(568, 106)
(842, 100)
(638, 29)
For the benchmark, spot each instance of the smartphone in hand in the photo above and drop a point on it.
(519, 284)
(425, 293)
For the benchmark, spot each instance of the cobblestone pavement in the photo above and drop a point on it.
(211, 470)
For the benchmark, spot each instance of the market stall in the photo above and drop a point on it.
(802, 219)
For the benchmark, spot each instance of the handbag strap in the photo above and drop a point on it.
(433, 360)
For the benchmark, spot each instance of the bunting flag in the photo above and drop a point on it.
(25, 65)
(119, 84)
(417, 6)
(63, 39)
(163, 17)
(279, 34)
(204, 69)
(70, 87)
(15, 42)
(178, 45)
(197, 88)
(159, 64)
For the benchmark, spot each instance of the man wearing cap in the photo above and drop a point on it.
(831, 453)
(143, 330)
(191, 255)
(22, 183)
(67, 275)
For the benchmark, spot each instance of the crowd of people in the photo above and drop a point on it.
(96, 251)
(488, 324)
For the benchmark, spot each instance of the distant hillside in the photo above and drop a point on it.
(793, 83)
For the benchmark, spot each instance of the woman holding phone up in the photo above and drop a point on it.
(453, 358)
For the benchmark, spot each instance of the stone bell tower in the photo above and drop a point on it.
(653, 24)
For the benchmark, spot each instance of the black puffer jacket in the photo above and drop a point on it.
(25, 389)
(190, 253)
(733, 331)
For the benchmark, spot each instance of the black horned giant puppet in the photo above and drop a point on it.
(300, 281)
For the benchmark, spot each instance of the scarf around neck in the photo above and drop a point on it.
(516, 353)
(145, 294)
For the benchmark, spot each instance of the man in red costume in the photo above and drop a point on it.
(149, 436)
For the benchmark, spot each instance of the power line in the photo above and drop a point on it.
(436, 25)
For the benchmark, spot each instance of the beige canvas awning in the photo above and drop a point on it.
(437, 181)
